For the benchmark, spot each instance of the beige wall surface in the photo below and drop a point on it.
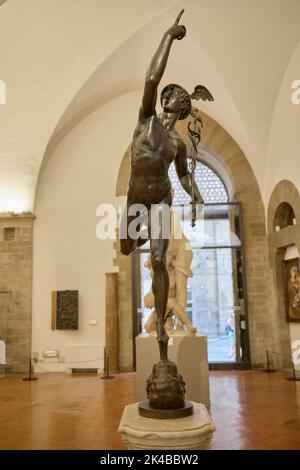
(48, 49)
(284, 140)
(74, 75)
(80, 175)
(55, 52)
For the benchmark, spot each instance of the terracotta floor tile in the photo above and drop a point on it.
(252, 410)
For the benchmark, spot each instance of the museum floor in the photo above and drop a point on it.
(252, 410)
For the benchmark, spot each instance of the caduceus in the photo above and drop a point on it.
(194, 132)
(195, 138)
(200, 93)
(194, 128)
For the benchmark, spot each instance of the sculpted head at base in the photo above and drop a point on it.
(165, 387)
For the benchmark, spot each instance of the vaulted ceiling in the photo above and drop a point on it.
(61, 59)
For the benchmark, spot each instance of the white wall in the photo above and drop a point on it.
(79, 175)
(293, 252)
(82, 171)
(49, 49)
(284, 139)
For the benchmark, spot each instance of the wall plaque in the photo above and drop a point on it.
(64, 310)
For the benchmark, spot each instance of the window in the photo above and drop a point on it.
(210, 184)
(9, 234)
(215, 301)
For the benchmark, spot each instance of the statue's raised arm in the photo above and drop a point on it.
(155, 146)
(157, 68)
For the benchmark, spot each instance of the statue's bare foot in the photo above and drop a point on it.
(162, 335)
(192, 330)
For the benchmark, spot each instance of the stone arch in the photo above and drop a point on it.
(284, 216)
(220, 151)
(278, 241)
(284, 192)
(224, 155)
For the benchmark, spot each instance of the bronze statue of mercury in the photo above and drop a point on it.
(155, 145)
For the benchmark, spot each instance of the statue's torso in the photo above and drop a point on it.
(153, 149)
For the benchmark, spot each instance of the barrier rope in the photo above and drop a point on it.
(294, 377)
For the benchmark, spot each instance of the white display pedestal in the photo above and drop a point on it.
(190, 355)
(193, 432)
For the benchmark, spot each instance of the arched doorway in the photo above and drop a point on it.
(216, 291)
(284, 245)
(220, 152)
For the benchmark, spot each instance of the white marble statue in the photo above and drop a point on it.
(178, 261)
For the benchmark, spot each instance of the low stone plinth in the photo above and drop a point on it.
(193, 432)
(189, 354)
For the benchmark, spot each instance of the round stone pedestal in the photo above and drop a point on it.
(193, 432)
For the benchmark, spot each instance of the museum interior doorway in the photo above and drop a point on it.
(217, 298)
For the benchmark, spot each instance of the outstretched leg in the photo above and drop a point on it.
(160, 287)
(129, 244)
(160, 283)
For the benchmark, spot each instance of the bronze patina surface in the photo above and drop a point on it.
(155, 145)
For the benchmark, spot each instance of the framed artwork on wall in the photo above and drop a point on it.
(292, 289)
(64, 310)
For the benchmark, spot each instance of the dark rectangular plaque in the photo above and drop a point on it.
(67, 310)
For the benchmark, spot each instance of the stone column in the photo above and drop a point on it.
(15, 288)
(111, 321)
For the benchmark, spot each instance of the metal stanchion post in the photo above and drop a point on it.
(294, 376)
(106, 375)
(30, 376)
(268, 369)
